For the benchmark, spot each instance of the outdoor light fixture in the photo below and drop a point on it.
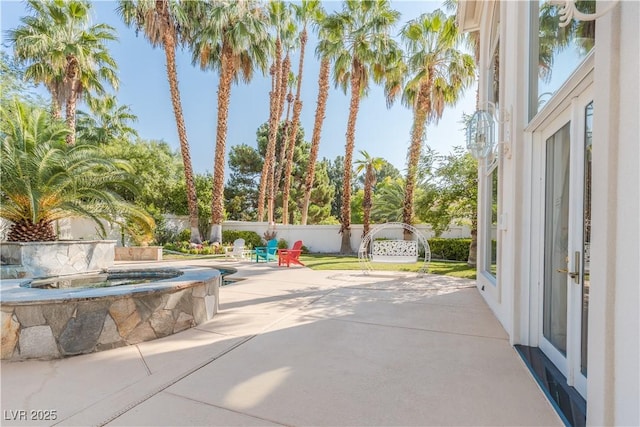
(481, 132)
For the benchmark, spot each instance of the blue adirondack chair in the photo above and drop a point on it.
(267, 253)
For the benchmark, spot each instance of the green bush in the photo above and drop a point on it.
(251, 238)
(184, 236)
(450, 249)
(282, 244)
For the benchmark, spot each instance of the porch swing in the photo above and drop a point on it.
(397, 251)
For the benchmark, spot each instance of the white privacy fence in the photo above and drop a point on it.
(317, 238)
(327, 238)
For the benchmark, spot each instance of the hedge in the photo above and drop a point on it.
(450, 249)
(251, 238)
(454, 249)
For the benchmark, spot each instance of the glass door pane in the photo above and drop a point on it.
(556, 232)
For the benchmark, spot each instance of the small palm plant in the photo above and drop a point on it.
(42, 179)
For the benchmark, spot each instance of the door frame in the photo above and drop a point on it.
(572, 112)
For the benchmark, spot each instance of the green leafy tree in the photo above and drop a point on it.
(387, 201)
(298, 169)
(455, 199)
(157, 171)
(336, 175)
(357, 210)
(241, 191)
(66, 53)
(319, 211)
(43, 179)
(363, 50)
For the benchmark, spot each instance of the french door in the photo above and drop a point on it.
(565, 234)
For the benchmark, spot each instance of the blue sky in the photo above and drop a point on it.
(143, 86)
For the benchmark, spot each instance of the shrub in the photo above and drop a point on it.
(251, 238)
(450, 249)
(282, 244)
(184, 236)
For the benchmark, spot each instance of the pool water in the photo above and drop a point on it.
(103, 280)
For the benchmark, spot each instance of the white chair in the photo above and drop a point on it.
(236, 251)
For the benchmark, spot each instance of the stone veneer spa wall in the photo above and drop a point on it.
(46, 324)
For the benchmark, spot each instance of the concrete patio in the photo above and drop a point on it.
(295, 347)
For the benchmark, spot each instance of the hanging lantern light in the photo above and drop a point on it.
(481, 134)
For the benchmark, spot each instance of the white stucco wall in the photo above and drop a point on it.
(326, 238)
(318, 238)
(614, 331)
(614, 303)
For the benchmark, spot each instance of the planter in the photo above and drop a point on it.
(44, 259)
(138, 253)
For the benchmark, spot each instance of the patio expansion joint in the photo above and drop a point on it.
(154, 390)
(142, 359)
(419, 329)
(246, 414)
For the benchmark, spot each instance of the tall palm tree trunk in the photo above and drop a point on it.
(276, 69)
(323, 94)
(297, 108)
(417, 137)
(271, 182)
(169, 43)
(262, 189)
(283, 148)
(224, 92)
(73, 87)
(56, 108)
(345, 229)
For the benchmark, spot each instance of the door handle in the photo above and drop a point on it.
(575, 275)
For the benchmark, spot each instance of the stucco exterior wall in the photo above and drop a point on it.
(614, 332)
(613, 382)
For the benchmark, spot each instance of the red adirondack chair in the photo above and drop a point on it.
(290, 256)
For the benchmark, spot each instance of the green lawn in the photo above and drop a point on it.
(350, 262)
(340, 262)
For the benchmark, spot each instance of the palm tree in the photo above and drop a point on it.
(161, 22)
(279, 20)
(44, 179)
(438, 73)
(230, 37)
(363, 49)
(107, 122)
(282, 156)
(323, 95)
(65, 53)
(304, 14)
(370, 165)
(387, 202)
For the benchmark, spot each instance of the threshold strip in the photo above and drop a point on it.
(568, 403)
